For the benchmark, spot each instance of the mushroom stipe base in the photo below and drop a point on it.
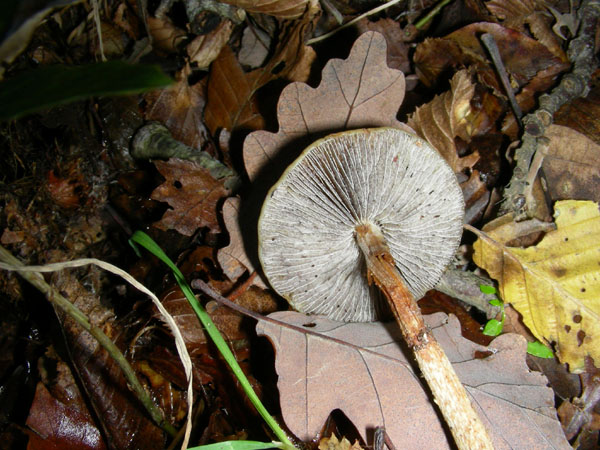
(449, 393)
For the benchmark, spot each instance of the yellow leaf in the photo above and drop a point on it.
(555, 285)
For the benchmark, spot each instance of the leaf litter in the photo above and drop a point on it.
(469, 123)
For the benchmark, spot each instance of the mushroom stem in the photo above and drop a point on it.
(448, 392)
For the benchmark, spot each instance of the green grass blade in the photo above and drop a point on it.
(146, 241)
(49, 86)
(238, 445)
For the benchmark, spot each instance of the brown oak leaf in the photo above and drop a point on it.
(193, 195)
(361, 369)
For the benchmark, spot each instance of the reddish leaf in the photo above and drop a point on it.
(193, 195)
(61, 425)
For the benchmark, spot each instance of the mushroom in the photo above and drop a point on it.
(363, 212)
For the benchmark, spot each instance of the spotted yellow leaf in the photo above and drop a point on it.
(555, 285)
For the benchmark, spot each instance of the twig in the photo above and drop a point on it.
(490, 43)
(573, 85)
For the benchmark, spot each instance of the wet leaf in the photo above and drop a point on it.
(363, 371)
(572, 165)
(61, 425)
(193, 195)
(581, 114)
(555, 284)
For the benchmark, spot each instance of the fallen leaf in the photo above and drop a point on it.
(555, 285)
(165, 35)
(447, 117)
(61, 425)
(180, 108)
(233, 259)
(333, 443)
(193, 195)
(524, 58)
(572, 165)
(231, 101)
(282, 9)
(362, 370)
(581, 114)
(360, 91)
(528, 15)
(254, 47)
(204, 49)
(397, 51)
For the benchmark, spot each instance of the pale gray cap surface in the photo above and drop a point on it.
(382, 176)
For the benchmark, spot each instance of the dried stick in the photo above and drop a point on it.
(448, 392)
(573, 85)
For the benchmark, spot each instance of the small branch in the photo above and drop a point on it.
(450, 395)
(464, 286)
(572, 86)
(490, 43)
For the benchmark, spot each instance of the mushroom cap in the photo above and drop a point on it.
(381, 176)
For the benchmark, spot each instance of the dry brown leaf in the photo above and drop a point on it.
(192, 193)
(446, 117)
(397, 52)
(282, 9)
(360, 91)
(231, 102)
(233, 259)
(165, 35)
(204, 49)
(527, 61)
(364, 372)
(180, 108)
(572, 165)
(528, 15)
(254, 47)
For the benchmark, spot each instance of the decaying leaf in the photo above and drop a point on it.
(360, 91)
(180, 108)
(556, 284)
(581, 114)
(192, 193)
(363, 371)
(233, 259)
(571, 165)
